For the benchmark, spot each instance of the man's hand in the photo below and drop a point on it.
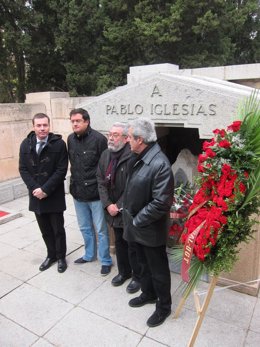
(39, 193)
(112, 210)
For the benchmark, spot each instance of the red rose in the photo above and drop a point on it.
(235, 126)
(200, 168)
(207, 144)
(221, 132)
(226, 169)
(202, 158)
(210, 153)
(224, 144)
(242, 187)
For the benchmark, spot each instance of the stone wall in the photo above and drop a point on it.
(16, 123)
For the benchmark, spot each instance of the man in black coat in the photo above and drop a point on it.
(43, 164)
(85, 146)
(147, 202)
(111, 175)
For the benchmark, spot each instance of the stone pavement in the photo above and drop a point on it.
(81, 308)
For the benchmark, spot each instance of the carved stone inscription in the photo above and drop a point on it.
(162, 109)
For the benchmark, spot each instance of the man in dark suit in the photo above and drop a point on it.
(43, 164)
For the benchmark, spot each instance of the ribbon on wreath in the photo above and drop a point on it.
(177, 215)
(189, 245)
(188, 251)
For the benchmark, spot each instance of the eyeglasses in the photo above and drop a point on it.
(113, 135)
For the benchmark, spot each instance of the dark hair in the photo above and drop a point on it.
(84, 113)
(39, 116)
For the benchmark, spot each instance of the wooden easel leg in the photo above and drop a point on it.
(179, 308)
(204, 307)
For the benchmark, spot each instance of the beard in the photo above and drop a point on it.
(115, 147)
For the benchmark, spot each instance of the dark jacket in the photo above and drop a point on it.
(148, 198)
(46, 171)
(113, 194)
(84, 153)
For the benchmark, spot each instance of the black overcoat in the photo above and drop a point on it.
(113, 194)
(46, 171)
(148, 198)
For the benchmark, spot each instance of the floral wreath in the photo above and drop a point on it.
(220, 216)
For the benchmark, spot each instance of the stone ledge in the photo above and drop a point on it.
(11, 190)
(250, 288)
(15, 189)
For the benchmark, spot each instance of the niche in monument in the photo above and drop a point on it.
(175, 141)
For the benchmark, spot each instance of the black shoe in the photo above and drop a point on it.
(80, 261)
(105, 270)
(157, 319)
(119, 279)
(62, 265)
(133, 287)
(141, 301)
(47, 263)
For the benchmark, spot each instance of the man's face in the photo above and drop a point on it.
(116, 140)
(135, 144)
(41, 127)
(79, 125)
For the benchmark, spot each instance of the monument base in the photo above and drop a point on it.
(250, 288)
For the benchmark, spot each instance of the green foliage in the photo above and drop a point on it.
(14, 21)
(250, 112)
(45, 70)
(239, 229)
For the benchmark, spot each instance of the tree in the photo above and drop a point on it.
(120, 48)
(14, 15)
(86, 46)
(45, 68)
(78, 41)
(196, 33)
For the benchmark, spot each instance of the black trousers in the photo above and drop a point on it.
(53, 234)
(155, 275)
(126, 256)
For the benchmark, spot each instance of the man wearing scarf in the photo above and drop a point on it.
(111, 176)
(147, 201)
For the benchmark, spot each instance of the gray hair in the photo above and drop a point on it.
(144, 127)
(124, 126)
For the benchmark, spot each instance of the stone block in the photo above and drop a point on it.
(185, 168)
(19, 189)
(140, 72)
(6, 194)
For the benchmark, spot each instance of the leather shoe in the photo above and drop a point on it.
(119, 279)
(157, 318)
(62, 265)
(133, 286)
(141, 301)
(46, 264)
(80, 261)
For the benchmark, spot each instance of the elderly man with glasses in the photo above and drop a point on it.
(112, 175)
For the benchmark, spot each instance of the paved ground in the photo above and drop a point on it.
(81, 308)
